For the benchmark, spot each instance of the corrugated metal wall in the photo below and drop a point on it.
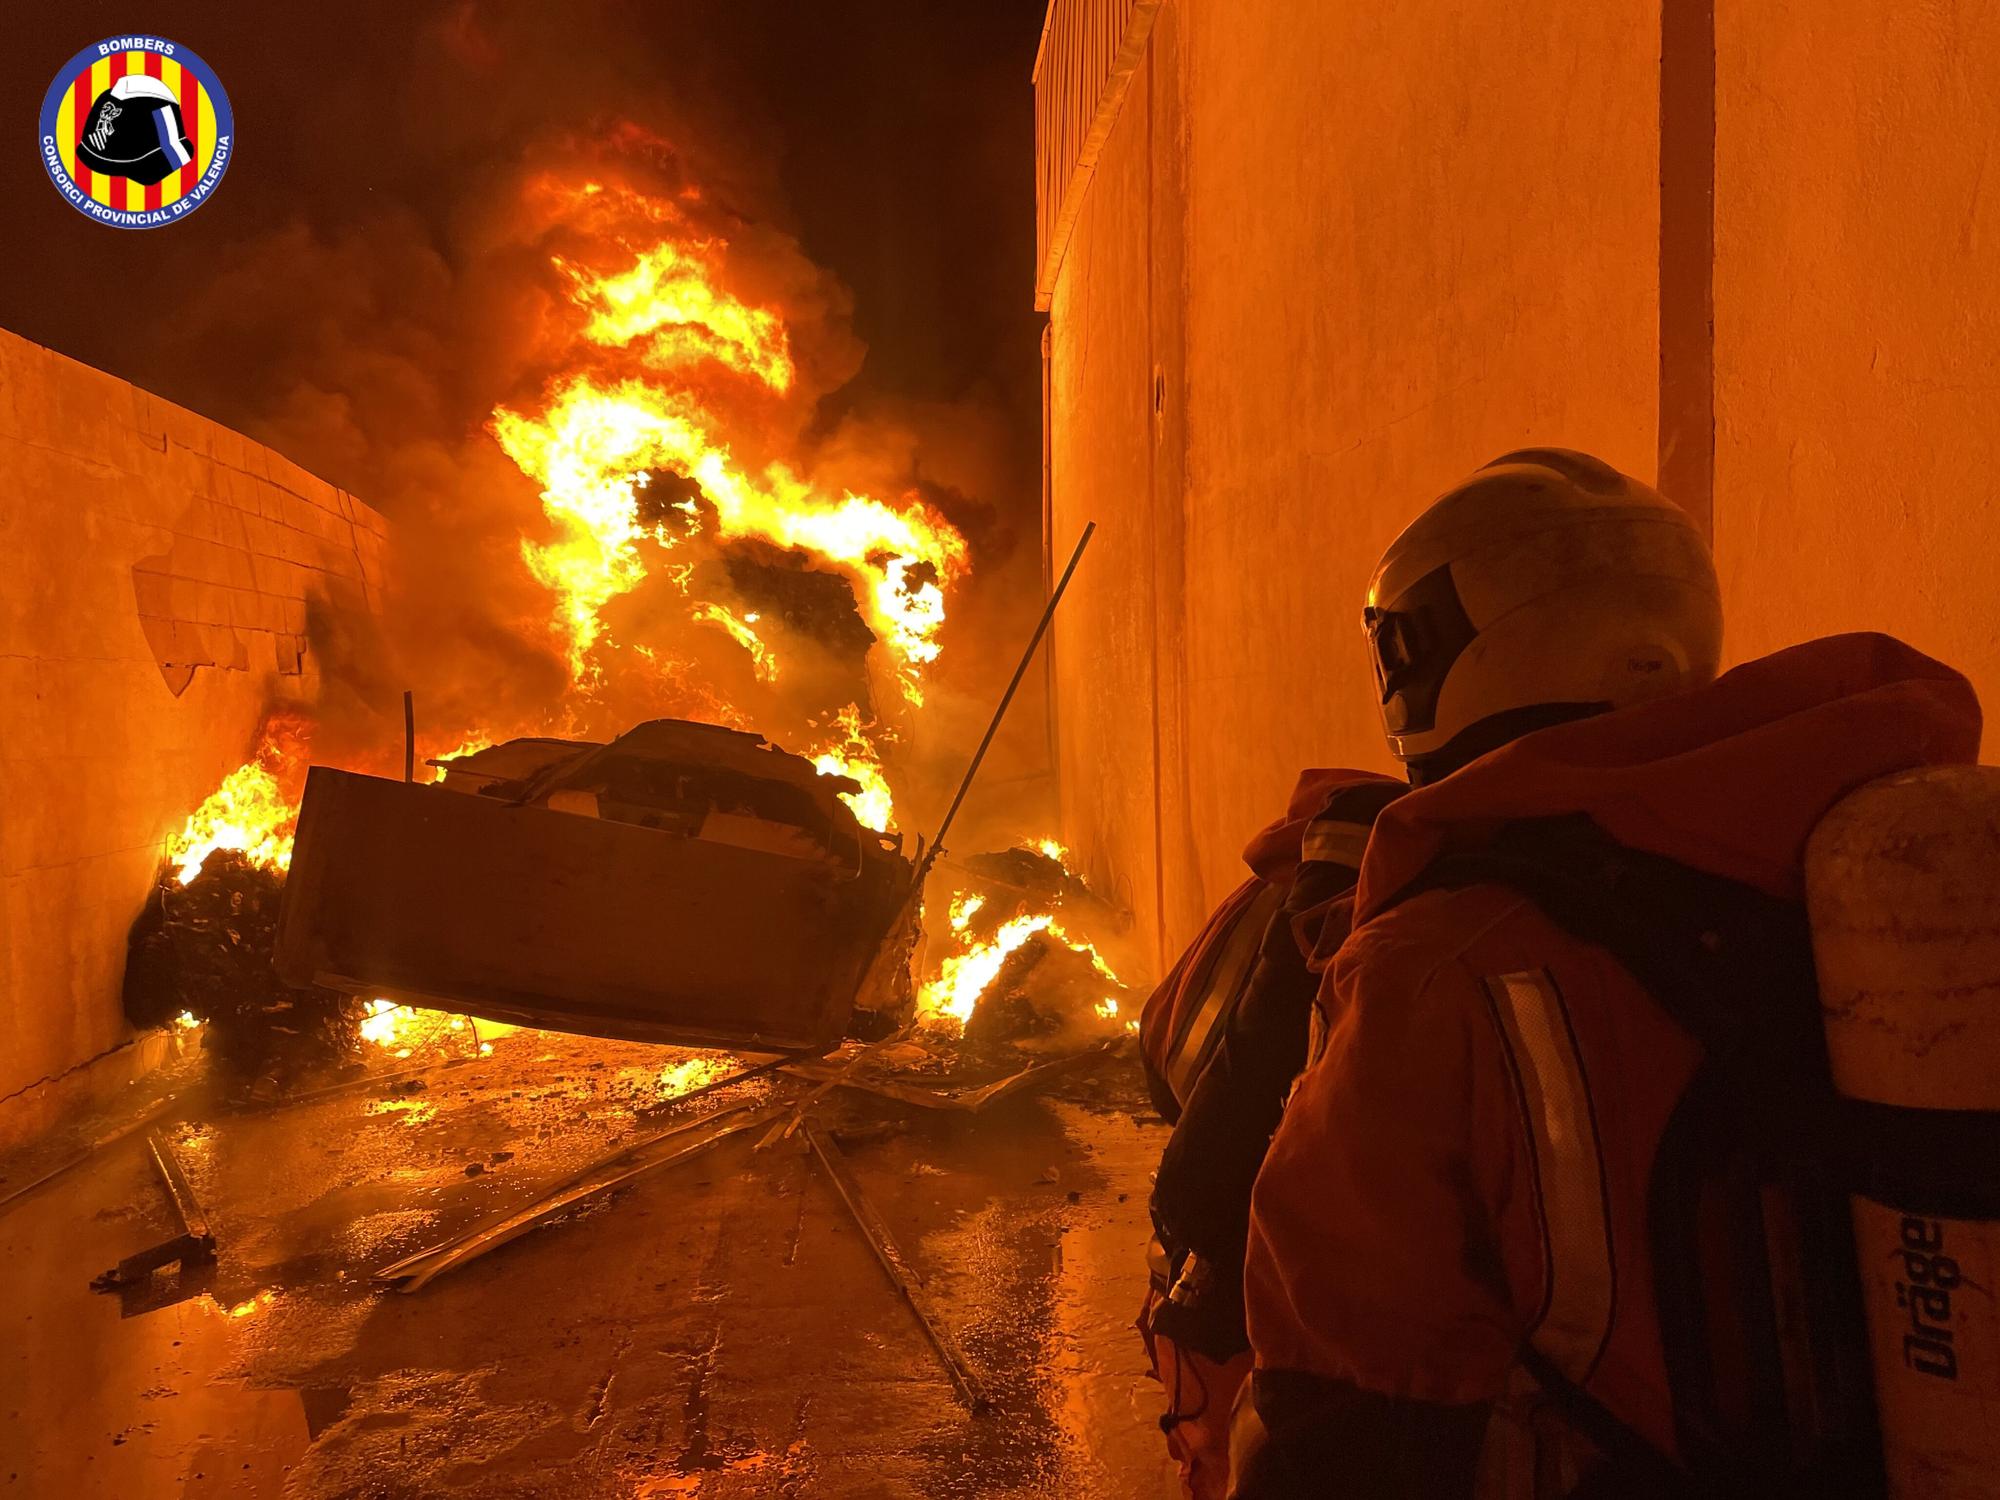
(1089, 49)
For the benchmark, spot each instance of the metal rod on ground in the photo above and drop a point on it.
(409, 735)
(153, 1115)
(193, 1246)
(963, 1377)
(413, 1272)
(187, 1207)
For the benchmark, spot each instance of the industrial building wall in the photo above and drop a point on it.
(1857, 326)
(1331, 258)
(1328, 259)
(158, 568)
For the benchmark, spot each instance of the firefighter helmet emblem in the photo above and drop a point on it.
(136, 132)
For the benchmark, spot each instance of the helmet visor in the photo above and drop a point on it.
(1413, 644)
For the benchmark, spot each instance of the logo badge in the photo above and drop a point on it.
(136, 132)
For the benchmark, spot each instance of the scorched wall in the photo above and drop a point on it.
(1306, 265)
(152, 604)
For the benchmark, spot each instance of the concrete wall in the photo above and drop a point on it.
(1857, 325)
(155, 569)
(1101, 455)
(1333, 257)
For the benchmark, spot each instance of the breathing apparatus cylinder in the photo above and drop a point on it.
(1903, 888)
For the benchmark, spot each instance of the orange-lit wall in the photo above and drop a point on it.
(1333, 257)
(1348, 252)
(1857, 326)
(157, 568)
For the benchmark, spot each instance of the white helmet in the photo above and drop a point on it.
(1546, 587)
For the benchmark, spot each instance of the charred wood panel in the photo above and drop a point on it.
(552, 919)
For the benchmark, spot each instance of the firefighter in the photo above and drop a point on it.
(1223, 1036)
(1552, 1209)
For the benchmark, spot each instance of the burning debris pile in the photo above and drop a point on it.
(706, 549)
(699, 558)
(202, 950)
(1008, 967)
(543, 882)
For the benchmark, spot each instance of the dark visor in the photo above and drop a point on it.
(1414, 645)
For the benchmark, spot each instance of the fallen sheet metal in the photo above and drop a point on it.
(417, 1271)
(684, 884)
(909, 1282)
(193, 1246)
(963, 1101)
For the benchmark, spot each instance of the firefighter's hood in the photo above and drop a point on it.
(1274, 853)
(1729, 778)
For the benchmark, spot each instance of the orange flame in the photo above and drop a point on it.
(598, 439)
(590, 451)
(255, 811)
(853, 755)
(669, 300)
(471, 744)
(403, 1030)
(763, 660)
(966, 974)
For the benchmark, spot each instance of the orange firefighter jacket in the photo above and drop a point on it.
(1461, 1175)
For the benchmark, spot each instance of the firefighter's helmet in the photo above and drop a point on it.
(134, 130)
(1546, 586)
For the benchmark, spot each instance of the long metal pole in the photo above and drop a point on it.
(1007, 698)
(887, 955)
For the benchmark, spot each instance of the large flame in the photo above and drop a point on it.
(254, 811)
(966, 975)
(592, 450)
(664, 356)
(682, 346)
(669, 302)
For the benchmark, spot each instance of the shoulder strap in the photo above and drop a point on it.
(1733, 967)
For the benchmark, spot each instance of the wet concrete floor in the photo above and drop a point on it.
(716, 1329)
